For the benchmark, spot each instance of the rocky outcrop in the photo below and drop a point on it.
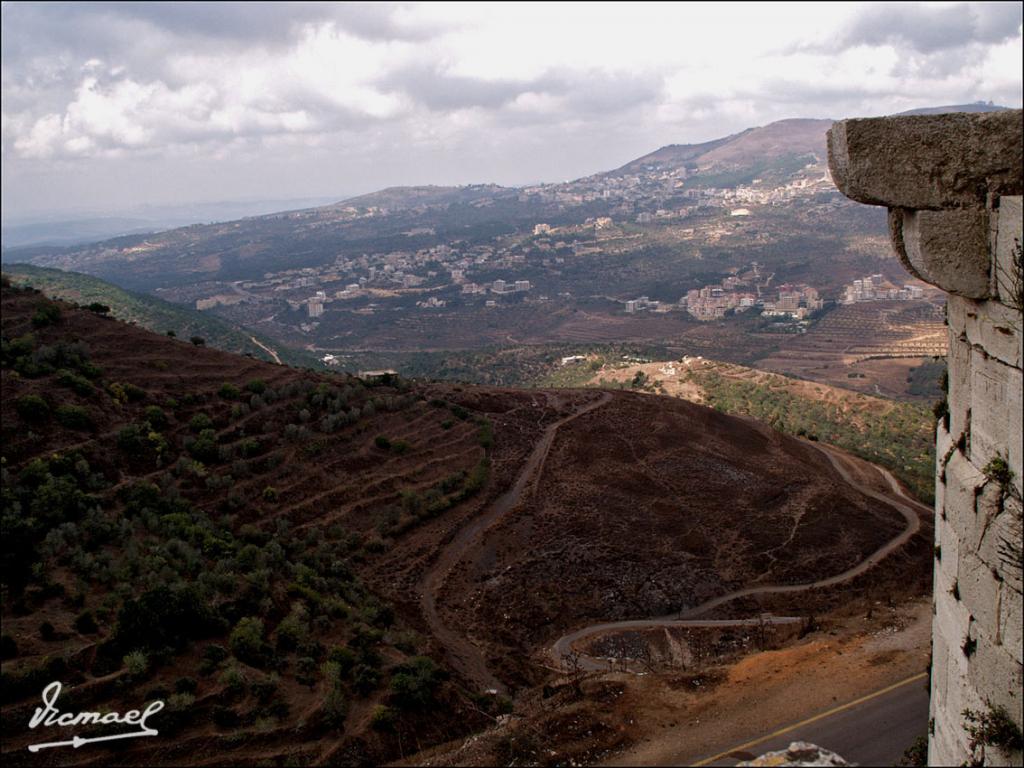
(953, 186)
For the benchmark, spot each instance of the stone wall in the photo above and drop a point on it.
(953, 186)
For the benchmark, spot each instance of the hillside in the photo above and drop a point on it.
(892, 434)
(441, 222)
(149, 312)
(315, 568)
(755, 148)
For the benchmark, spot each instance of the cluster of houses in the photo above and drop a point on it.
(738, 293)
(877, 288)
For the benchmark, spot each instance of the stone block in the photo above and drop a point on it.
(943, 746)
(992, 326)
(980, 595)
(996, 678)
(1008, 230)
(950, 621)
(959, 395)
(956, 315)
(1015, 427)
(1001, 526)
(949, 249)
(949, 564)
(991, 383)
(940, 664)
(1011, 623)
(963, 481)
(928, 162)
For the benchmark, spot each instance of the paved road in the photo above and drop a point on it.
(908, 507)
(872, 730)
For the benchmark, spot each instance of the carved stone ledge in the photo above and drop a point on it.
(942, 178)
(928, 162)
(946, 248)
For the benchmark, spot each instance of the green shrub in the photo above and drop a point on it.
(156, 417)
(135, 663)
(234, 680)
(131, 439)
(32, 409)
(229, 392)
(383, 718)
(382, 442)
(76, 383)
(98, 308)
(46, 314)
(246, 641)
(199, 422)
(249, 447)
(164, 618)
(197, 340)
(365, 679)
(85, 624)
(335, 707)
(414, 683)
(257, 386)
(204, 448)
(74, 417)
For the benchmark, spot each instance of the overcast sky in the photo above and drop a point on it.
(107, 106)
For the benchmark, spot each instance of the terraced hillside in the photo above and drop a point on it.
(184, 524)
(313, 568)
(856, 346)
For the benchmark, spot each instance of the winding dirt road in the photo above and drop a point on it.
(908, 507)
(463, 654)
(266, 349)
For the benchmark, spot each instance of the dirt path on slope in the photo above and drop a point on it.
(266, 349)
(463, 654)
(908, 507)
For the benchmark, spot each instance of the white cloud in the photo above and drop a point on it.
(441, 87)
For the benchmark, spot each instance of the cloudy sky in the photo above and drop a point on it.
(108, 106)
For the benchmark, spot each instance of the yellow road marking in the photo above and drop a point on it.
(808, 721)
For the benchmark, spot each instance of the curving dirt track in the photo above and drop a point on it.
(462, 653)
(909, 507)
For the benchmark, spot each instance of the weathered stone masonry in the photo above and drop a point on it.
(953, 186)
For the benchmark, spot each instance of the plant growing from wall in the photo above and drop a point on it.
(992, 727)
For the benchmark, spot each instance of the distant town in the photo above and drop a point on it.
(877, 288)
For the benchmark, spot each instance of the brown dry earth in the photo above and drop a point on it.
(629, 520)
(616, 506)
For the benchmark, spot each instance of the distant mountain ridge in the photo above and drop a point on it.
(783, 138)
(397, 218)
(978, 106)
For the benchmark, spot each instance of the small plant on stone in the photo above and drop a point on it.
(990, 728)
(999, 472)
